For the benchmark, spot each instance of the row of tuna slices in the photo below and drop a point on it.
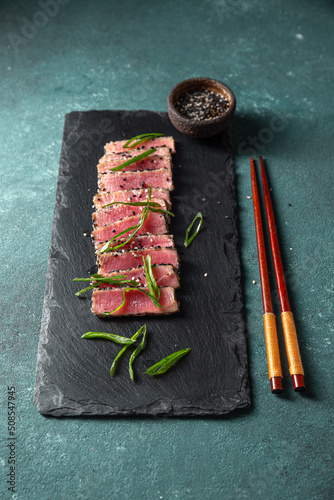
(130, 184)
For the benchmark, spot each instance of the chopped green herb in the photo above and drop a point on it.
(128, 289)
(140, 139)
(151, 283)
(133, 160)
(136, 352)
(108, 336)
(98, 278)
(153, 289)
(135, 229)
(164, 364)
(188, 239)
(122, 351)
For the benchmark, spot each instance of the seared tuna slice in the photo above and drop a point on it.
(131, 153)
(116, 181)
(144, 241)
(117, 146)
(102, 198)
(152, 162)
(164, 275)
(117, 261)
(136, 302)
(154, 223)
(118, 212)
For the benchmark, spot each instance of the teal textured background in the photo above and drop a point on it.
(59, 56)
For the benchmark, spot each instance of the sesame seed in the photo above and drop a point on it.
(202, 104)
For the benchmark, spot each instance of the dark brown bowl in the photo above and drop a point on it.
(200, 128)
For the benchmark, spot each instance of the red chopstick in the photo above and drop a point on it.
(269, 318)
(290, 335)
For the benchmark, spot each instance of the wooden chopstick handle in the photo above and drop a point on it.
(292, 350)
(273, 356)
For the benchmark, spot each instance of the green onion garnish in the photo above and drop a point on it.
(151, 283)
(140, 139)
(154, 290)
(98, 278)
(128, 289)
(188, 239)
(135, 229)
(108, 336)
(122, 351)
(164, 364)
(133, 160)
(136, 352)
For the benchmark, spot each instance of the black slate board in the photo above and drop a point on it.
(72, 376)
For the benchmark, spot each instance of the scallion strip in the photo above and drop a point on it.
(135, 353)
(133, 160)
(135, 229)
(128, 289)
(164, 364)
(109, 313)
(140, 139)
(161, 211)
(97, 278)
(188, 239)
(122, 351)
(108, 336)
(151, 283)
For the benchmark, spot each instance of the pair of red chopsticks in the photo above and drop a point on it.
(290, 336)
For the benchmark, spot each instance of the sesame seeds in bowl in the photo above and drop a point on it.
(202, 104)
(201, 107)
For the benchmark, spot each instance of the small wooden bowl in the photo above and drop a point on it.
(200, 128)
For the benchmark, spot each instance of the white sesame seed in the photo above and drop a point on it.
(205, 274)
(254, 282)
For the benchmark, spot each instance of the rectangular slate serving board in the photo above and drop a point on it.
(72, 375)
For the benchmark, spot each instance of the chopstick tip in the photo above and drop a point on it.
(276, 385)
(298, 383)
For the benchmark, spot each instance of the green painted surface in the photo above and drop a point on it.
(278, 58)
